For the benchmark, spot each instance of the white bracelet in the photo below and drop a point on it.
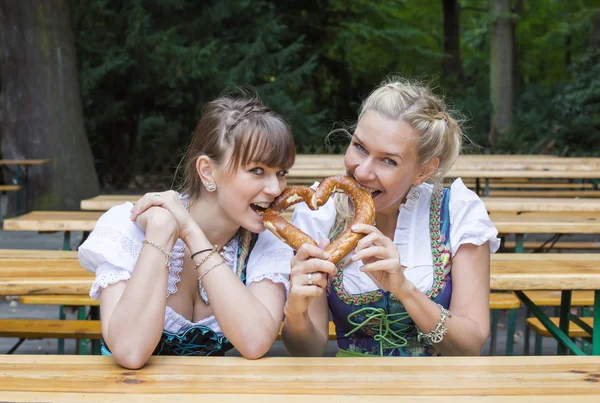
(437, 334)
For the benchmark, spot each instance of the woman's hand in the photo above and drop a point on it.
(382, 260)
(158, 220)
(171, 202)
(308, 277)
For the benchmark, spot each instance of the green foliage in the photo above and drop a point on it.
(148, 66)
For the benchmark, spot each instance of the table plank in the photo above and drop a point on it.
(531, 222)
(53, 221)
(320, 379)
(508, 272)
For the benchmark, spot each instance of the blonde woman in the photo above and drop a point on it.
(418, 283)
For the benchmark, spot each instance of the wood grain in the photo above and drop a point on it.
(51, 378)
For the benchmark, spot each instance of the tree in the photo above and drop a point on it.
(452, 65)
(501, 69)
(40, 102)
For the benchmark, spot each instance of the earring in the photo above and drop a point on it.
(415, 193)
(211, 186)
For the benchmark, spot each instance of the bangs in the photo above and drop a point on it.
(266, 141)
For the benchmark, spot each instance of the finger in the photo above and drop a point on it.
(324, 243)
(364, 228)
(368, 241)
(305, 291)
(314, 266)
(319, 279)
(307, 251)
(378, 252)
(380, 265)
(147, 201)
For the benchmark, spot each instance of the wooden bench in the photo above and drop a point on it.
(557, 245)
(574, 329)
(68, 329)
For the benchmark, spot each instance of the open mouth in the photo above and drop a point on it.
(374, 192)
(259, 207)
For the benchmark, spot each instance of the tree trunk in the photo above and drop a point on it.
(452, 65)
(40, 104)
(501, 69)
(595, 37)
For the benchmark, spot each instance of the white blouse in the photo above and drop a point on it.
(112, 249)
(469, 223)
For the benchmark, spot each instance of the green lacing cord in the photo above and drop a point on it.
(392, 338)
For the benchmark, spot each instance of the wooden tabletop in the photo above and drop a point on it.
(53, 221)
(23, 162)
(534, 222)
(72, 378)
(64, 275)
(105, 202)
(492, 204)
(572, 222)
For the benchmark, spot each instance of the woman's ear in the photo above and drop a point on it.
(428, 170)
(205, 169)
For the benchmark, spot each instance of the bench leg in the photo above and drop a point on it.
(596, 332)
(527, 334)
(493, 331)
(83, 343)
(61, 342)
(67, 240)
(565, 308)
(538, 344)
(15, 347)
(510, 331)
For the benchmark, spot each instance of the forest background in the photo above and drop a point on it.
(120, 97)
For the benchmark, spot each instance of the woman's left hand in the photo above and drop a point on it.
(382, 260)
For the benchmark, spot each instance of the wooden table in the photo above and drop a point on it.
(492, 204)
(21, 173)
(29, 378)
(509, 272)
(55, 221)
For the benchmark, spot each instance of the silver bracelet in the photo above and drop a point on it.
(437, 334)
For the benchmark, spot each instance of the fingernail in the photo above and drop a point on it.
(353, 228)
(326, 255)
(354, 258)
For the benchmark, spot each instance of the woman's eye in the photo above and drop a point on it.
(389, 161)
(282, 173)
(257, 171)
(360, 148)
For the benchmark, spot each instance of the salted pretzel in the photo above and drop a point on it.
(364, 213)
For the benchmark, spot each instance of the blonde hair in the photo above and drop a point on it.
(440, 133)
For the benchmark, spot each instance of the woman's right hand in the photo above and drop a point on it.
(158, 219)
(170, 202)
(309, 265)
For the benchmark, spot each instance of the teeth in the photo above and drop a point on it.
(370, 190)
(262, 205)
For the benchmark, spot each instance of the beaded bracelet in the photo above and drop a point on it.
(168, 255)
(205, 258)
(437, 334)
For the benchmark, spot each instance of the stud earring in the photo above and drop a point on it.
(211, 186)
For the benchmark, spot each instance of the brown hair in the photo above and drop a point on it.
(244, 124)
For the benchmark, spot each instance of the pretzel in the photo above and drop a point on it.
(364, 213)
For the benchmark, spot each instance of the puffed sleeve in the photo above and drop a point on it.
(112, 249)
(469, 220)
(271, 257)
